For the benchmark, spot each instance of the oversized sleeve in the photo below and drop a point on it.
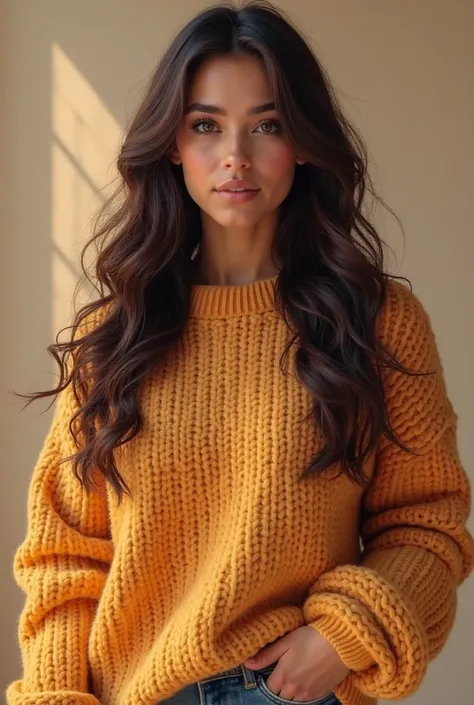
(391, 614)
(61, 566)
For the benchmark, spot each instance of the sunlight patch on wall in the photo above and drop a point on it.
(85, 140)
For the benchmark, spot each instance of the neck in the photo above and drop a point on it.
(235, 256)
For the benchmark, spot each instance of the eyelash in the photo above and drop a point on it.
(206, 121)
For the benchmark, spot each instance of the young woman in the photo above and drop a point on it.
(250, 491)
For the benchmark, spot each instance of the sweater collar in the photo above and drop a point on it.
(219, 301)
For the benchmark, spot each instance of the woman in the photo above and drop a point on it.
(251, 396)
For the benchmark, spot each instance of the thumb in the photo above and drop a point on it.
(266, 656)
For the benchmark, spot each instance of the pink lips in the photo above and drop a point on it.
(247, 191)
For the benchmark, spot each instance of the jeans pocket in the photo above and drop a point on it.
(330, 699)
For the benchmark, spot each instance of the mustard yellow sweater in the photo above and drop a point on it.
(222, 550)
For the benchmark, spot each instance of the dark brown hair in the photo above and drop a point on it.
(331, 286)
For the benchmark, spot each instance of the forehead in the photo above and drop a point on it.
(233, 81)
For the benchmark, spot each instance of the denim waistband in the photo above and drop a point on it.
(248, 674)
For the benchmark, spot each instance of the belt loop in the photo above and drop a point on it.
(249, 677)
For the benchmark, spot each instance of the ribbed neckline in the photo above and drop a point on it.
(219, 301)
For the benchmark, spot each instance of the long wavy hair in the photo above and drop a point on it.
(330, 288)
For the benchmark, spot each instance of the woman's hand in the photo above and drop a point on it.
(308, 666)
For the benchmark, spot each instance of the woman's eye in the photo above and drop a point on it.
(205, 127)
(270, 127)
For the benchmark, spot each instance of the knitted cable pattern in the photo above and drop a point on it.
(222, 549)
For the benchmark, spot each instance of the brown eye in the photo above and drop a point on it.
(203, 126)
(270, 127)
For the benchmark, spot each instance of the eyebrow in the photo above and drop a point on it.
(215, 110)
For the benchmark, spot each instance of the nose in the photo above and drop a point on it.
(236, 153)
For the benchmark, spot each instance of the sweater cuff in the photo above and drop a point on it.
(351, 650)
(16, 696)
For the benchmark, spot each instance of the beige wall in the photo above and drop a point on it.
(72, 74)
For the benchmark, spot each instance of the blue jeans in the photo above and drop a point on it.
(239, 686)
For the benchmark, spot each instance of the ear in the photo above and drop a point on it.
(174, 157)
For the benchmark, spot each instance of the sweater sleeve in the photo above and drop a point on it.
(61, 566)
(390, 615)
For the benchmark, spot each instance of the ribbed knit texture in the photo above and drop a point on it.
(222, 550)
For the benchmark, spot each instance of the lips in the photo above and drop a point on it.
(237, 186)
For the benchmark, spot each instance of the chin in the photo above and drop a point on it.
(239, 223)
(236, 220)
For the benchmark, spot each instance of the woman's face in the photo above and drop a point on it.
(231, 132)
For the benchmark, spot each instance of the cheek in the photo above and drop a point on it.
(277, 162)
(197, 160)
(193, 169)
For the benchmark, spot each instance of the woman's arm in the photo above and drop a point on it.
(391, 614)
(62, 567)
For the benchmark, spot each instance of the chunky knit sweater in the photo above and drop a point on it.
(222, 548)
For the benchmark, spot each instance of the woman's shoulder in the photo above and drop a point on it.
(403, 321)
(93, 318)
